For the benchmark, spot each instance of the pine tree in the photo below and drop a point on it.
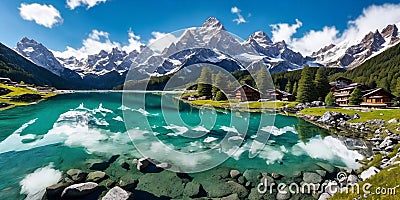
(220, 83)
(220, 96)
(295, 89)
(321, 84)
(305, 91)
(356, 97)
(204, 86)
(289, 87)
(263, 81)
(330, 99)
(397, 90)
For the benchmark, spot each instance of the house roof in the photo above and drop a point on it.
(284, 93)
(246, 86)
(377, 90)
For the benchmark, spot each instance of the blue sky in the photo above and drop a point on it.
(330, 21)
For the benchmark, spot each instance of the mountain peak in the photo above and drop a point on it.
(260, 37)
(213, 23)
(390, 31)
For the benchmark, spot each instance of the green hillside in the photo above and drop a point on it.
(17, 68)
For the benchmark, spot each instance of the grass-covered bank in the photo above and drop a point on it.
(21, 96)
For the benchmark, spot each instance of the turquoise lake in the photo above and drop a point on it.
(72, 130)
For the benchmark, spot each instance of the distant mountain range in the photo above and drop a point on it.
(107, 69)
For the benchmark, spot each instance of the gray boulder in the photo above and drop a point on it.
(79, 190)
(283, 194)
(165, 183)
(96, 176)
(192, 189)
(311, 177)
(77, 175)
(234, 173)
(117, 193)
(231, 197)
(142, 163)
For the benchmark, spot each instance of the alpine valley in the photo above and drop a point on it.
(106, 70)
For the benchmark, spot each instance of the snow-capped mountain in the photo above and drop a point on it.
(101, 63)
(39, 54)
(277, 56)
(350, 56)
(210, 44)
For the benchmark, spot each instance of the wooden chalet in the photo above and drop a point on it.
(280, 95)
(247, 93)
(342, 95)
(377, 98)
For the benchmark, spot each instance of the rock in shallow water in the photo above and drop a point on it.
(79, 190)
(76, 175)
(234, 173)
(96, 176)
(165, 183)
(117, 193)
(311, 177)
(192, 189)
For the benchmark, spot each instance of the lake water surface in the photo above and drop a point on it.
(71, 130)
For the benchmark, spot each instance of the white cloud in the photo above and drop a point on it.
(372, 18)
(314, 40)
(240, 19)
(45, 15)
(160, 41)
(97, 41)
(72, 4)
(134, 42)
(284, 31)
(156, 36)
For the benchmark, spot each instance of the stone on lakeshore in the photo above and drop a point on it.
(276, 176)
(163, 165)
(256, 195)
(231, 197)
(124, 164)
(252, 176)
(54, 191)
(327, 167)
(77, 175)
(234, 173)
(79, 190)
(192, 189)
(283, 194)
(117, 193)
(352, 179)
(324, 196)
(321, 172)
(142, 163)
(392, 121)
(268, 180)
(165, 183)
(241, 180)
(386, 142)
(369, 172)
(96, 176)
(238, 189)
(128, 181)
(311, 177)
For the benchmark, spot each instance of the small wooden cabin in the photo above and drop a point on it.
(247, 93)
(377, 98)
(280, 95)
